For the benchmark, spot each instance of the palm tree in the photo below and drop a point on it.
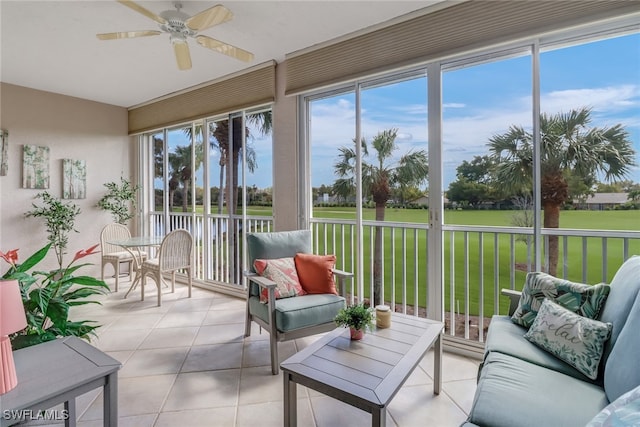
(568, 146)
(379, 178)
(182, 171)
(233, 153)
(221, 133)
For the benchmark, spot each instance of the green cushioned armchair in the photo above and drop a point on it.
(288, 318)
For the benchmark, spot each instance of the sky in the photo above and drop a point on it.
(481, 101)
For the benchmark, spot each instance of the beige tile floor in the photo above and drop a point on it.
(187, 363)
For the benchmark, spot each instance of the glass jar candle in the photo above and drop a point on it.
(383, 316)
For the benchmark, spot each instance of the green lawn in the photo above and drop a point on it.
(413, 270)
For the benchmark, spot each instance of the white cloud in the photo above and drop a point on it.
(467, 131)
(606, 99)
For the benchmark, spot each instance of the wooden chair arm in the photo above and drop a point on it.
(514, 299)
(342, 277)
(263, 282)
(343, 274)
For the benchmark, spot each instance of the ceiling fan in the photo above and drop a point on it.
(180, 26)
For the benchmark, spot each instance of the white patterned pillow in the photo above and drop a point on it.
(283, 272)
(577, 340)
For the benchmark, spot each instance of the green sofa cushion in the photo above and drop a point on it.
(622, 371)
(624, 289)
(514, 392)
(508, 338)
(281, 244)
(301, 311)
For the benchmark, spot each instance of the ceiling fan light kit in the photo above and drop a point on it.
(180, 27)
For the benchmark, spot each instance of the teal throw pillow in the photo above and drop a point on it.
(585, 300)
(622, 412)
(576, 340)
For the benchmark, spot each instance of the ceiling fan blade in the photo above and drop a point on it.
(183, 57)
(227, 49)
(128, 34)
(142, 10)
(209, 17)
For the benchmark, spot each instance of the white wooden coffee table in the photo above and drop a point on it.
(367, 373)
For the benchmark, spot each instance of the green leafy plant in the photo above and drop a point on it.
(59, 218)
(356, 316)
(120, 200)
(48, 296)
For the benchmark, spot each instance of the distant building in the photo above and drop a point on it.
(421, 201)
(326, 198)
(602, 201)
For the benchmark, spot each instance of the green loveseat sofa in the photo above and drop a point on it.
(521, 385)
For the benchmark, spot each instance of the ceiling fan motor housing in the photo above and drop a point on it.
(176, 26)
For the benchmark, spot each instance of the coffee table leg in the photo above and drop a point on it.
(110, 401)
(379, 417)
(437, 365)
(70, 407)
(290, 401)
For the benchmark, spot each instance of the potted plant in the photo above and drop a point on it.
(59, 218)
(357, 318)
(120, 200)
(48, 297)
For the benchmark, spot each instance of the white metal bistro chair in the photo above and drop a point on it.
(175, 253)
(114, 254)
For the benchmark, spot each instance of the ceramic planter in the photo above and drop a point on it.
(356, 334)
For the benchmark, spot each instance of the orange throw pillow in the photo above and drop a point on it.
(316, 273)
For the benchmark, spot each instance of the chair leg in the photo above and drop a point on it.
(273, 344)
(158, 278)
(190, 279)
(143, 282)
(116, 267)
(247, 323)
(173, 281)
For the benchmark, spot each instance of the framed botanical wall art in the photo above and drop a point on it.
(74, 179)
(35, 167)
(4, 152)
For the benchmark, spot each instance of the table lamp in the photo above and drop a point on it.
(12, 319)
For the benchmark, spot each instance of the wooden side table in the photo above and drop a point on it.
(57, 372)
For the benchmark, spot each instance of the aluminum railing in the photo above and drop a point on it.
(478, 260)
(216, 259)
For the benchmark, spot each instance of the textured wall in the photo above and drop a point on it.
(72, 128)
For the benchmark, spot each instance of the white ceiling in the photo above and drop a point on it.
(51, 45)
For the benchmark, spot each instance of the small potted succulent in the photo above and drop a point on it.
(357, 318)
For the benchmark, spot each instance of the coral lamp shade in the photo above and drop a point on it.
(12, 319)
